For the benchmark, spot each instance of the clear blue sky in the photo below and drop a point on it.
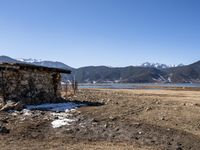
(101, 32)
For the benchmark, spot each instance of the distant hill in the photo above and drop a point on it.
(57, 64)
(125, 74)
(8, 59)
(147, 73)
(53, 64)
(189, 73)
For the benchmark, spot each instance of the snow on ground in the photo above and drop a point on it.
(62, 120)
(55, 107)
(26, 112)
(61, 111)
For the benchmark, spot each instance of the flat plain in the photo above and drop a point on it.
(114, 119)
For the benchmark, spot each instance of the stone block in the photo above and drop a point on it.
(24, 82)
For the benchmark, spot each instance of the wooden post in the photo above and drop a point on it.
(3, 86)
(75, 87)
(66, 90)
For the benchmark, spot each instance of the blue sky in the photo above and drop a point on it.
(101, 32)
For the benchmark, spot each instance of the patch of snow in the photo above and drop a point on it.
(63, 83)
(94, 82)
(154, 79)
(70, 110)
(117, 81)
(26, 112)
(20, 59)
(162, 78)
(56, 107)
(169, 79)
(61, 122)
(61, 115)
(61, 112)
(68, 82)
(29, 60)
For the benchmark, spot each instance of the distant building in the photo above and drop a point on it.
(29, 83)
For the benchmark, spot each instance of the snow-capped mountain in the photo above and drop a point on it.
(29, 60)
(159, 65)
(40, 62)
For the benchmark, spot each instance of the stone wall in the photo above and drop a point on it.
(30, 86)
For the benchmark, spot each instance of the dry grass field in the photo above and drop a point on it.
(115, 119)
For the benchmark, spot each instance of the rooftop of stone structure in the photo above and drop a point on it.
(24, 66)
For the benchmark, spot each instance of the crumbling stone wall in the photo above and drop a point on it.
(30, 86)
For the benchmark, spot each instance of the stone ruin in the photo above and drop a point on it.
(30, 84)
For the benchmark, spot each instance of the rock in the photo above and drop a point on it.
(189, 104)
(94, 120)
(137, 124)
(196, 104)
(112, 118)
(15, 114)
(106, 125)
(24, 82)
(4, 130)
(148, 109)
(1, 99)
(162, 118)
(2, 102)
(56, 117)
(4, 120)
(1, 105)
(19, 106)
(10, 105)
(158, 102)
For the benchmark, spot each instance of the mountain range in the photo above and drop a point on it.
(159, 65)
(146, 73)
